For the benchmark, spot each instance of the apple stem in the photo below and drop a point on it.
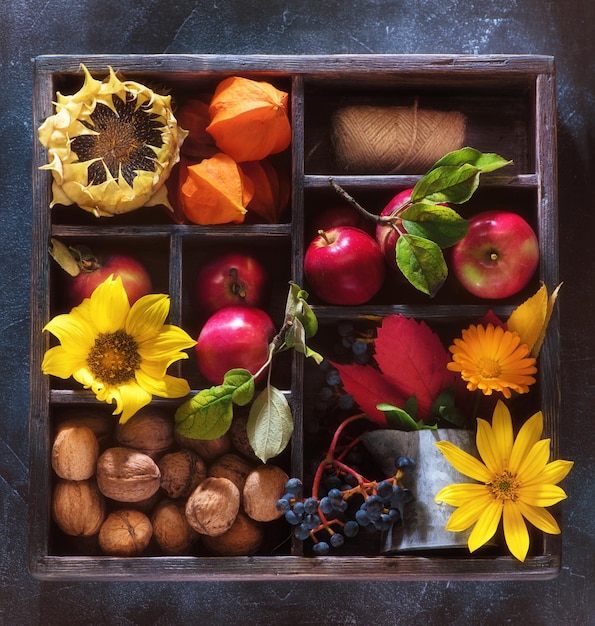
(323, 234)
(236, 287)
(85, 259)
(494, 256)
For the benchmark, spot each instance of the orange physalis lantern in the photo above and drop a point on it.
(198, 144)
(271, 189)
(249, 119)
(216, 192)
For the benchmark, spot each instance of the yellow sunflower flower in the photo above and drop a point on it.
(515, 479)
(490, 358)
(111, 146)
(120, 352)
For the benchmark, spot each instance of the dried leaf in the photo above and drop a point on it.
(413, 360)
(531, 318)
(216, 192)
(249, 119)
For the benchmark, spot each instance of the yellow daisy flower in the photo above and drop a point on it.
(515, 479)
(120, 352)
(111, 146)
(490, 358)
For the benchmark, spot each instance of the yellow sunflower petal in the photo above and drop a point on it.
(488, 447)
(458, 494)
(552, 473)
(486, 525)
(75, 335)
(502, 430)
(515, 531)
(147, 316)
(540, 518)
(527, 437)
(541, 495)
(534, 463)
(467, 514)
(166, 344)
(60, 362)
(464, 462)
(108, 306)
(166, 387)
(131, 398)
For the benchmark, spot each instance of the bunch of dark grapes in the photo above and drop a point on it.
(353, 343)
(328, 521)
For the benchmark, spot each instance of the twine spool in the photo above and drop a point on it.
(387, 140)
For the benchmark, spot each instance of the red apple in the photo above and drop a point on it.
(498, 256)
(231, 279)
(338, 215)
(135, 278)
(344, 265)
(233, 337)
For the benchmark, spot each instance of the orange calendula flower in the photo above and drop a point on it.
(515, 483)
(490, 358)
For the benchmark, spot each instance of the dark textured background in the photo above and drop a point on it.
(553, 27)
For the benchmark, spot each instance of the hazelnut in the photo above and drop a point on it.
(150, 430)
(78, 507)
(231, 466)
(74, 452)
(127, 475)
(207, 449)
(171, 529)
(264, 486)
(125, 533)
(243, 538)
(213, 506)
(181, 473)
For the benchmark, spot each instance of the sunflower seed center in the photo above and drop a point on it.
(504, 486)
(114, 358)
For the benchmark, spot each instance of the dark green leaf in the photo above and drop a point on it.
(444, 408)
(242, 383)
(207, 415)
(399, 419)
(270, 424)
(422, 263)
(441, 224)
(448, 183)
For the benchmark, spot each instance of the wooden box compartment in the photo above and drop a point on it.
(509, 104)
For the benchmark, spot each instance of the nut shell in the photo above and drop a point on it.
(78, 507)
(243, 538)
(213, 506)
(207, 449)
(127, 475)
(150, 430)
(264, 486)
(231, 466)
(74, 452)
(239, 437)
(125, 533)
(181, 473)
(171, 529)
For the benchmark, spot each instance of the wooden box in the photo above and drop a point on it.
(509, 102)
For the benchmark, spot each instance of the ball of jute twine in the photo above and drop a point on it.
(386, 140)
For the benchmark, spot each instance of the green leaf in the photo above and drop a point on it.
(298, 307)
(422, 263)
(270, 424)
(448, 183)
(295, 337)
(440, 224)
(207, 415)
(444, 408)
(484, 161)
(399, 419)
(242, 382)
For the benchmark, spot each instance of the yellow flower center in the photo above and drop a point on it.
(114, 358)
(488, 368)
(504, 486)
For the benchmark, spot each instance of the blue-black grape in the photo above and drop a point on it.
(283, 505)
(310, 505)
(301, 532)
(336, 495)
(404, 462)
(326, 505)
(294, 485)
(333, 378)
(351, 528)
(345, 329)
(359, 347)
(345, 402)
(293, 518)
(321, 548)
(361, 517)
(337, 540)
(384, 489)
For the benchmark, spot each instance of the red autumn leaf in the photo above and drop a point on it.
(369, 388)
(413, 360)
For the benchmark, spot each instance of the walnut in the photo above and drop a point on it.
(101, 423)
(125, 533)
(78, 507)
(150, 430)
(74, 452)
(243, 538)
(231, 466)
(213, 506)
(264, 486)
(127, 475)
(181, 473)
(207, 449)
(239, 437)
(171, 529)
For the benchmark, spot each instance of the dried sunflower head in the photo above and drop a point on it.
(111, 146)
